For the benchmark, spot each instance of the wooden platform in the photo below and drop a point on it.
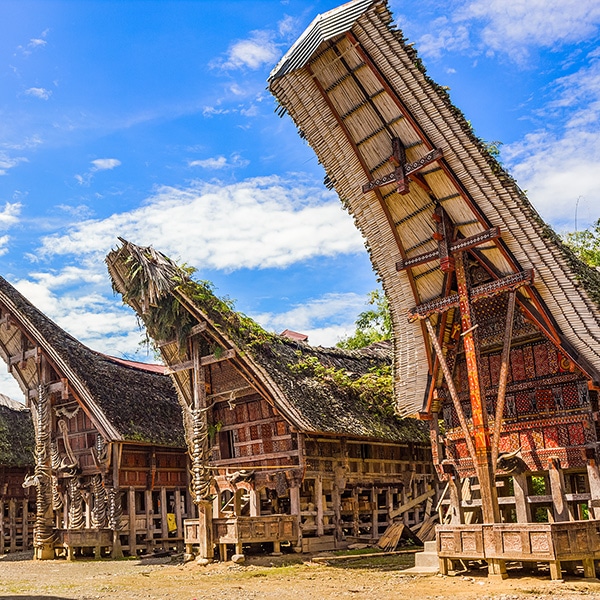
(74, 540)
(572, 541)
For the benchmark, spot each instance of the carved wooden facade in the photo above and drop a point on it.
(271, 430)
(496, 323)
(110, 471)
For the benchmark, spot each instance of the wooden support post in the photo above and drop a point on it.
(319, 504)
(374, 514)
(12, 524)
(522, 506)
(149, 521)
(1, 526)
(25, 524)
(594, 483)
(355, 518)
(254, 503)
(237, 502)
(178, 516)
(164, 527)
(455, 494)
(336, 498)
(205, 530)
(132, 512)
(557, 489)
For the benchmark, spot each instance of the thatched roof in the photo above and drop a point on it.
(17, 439)
(354, 86)
(319, 390)
(127, 401)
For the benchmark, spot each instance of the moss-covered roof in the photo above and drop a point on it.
(140, 404)
(327, 390)
(17, 438)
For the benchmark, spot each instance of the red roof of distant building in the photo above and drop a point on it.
(138, 365)
(294, 335)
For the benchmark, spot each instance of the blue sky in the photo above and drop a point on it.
(151, 120)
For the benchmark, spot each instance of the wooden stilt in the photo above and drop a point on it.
(557, 489)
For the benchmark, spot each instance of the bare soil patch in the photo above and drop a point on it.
(281, 578)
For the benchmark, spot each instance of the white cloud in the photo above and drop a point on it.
(533, 22)
(216, 162)
(219, 162)
(4, 239)
(258, 223)
(253, 53)
(99, 164)
(8, 162)
(325, 320)
(105, 164)
(37, 92)
(9, 215)
(558, 168)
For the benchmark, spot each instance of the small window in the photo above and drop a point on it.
(226, 445)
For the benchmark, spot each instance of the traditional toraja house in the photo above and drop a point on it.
(110, 464)
(496, 324)
(288, 442)
(17, 504)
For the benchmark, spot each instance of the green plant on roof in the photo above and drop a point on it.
(161, 289)
(373, 389)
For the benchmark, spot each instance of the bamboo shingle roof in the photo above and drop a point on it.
(126, 401)
(312, 387)
(351, 90)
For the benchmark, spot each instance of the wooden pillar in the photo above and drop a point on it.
(132, 511)
(521, 492)
(456, 509)
(149, 521)
(12, 524)
(295, 510)
(557, 489)
(254, 503)
(355, 517)
(205, 530)
(178, 516)
(2, 541)
(25, 523)
(374, 516)
(319, 504)
(336, 499)
(164, 527)
(237, 502)
(217, 505)
(594, 484)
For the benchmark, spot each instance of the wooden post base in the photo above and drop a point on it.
(44, 552)
(496, 569)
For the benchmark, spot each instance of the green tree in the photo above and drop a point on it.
(372, 325)
(586, 244)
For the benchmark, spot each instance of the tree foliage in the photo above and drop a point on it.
(586, 244)
(372, 325)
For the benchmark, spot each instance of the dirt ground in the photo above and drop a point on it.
(281, 578)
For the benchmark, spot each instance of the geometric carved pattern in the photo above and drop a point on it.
(576, 435)
(540, 542)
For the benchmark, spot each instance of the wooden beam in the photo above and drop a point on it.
(412, 503)
(203, 362)
(485, 290)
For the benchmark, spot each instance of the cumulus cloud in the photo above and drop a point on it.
(8, 162)
(9, 215)
(325, 320)
(511, 28)
(533, 22)
(252, 53)
(558, 168)
(37, 92)
(219, 162)
(99, 164)
(258, 223)
(105, 164)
